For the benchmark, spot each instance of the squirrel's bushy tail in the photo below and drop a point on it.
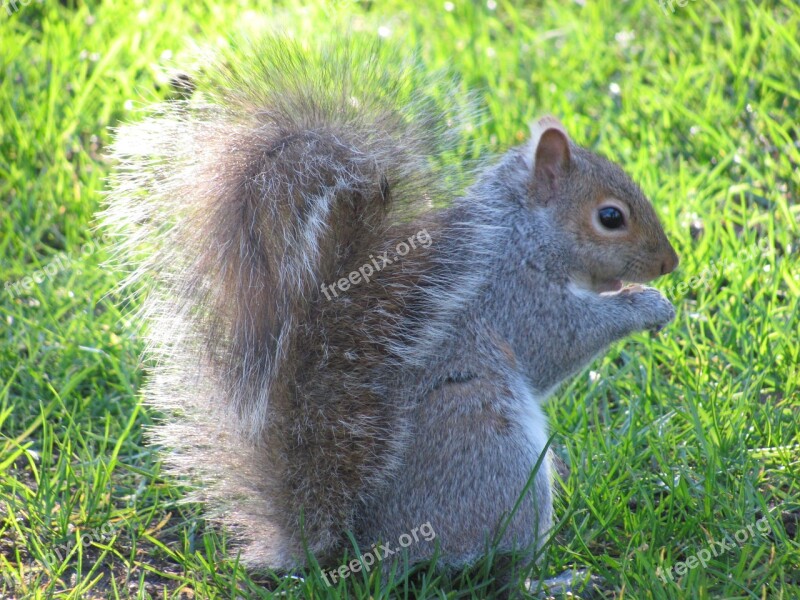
(286, 171)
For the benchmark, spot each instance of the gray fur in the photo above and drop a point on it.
(413, 398)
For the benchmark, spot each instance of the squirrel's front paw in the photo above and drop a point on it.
(651, 306)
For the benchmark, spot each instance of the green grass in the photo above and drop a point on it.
(671, 443)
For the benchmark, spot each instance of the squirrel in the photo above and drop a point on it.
(346, 338)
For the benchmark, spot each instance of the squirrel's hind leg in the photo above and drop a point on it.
(475, 443)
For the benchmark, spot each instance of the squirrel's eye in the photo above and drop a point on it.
(611, 217)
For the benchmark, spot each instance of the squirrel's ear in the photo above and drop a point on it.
(548, 153)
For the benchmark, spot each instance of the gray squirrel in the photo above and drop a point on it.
(344, 339)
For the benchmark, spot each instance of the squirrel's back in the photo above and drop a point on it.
(266, 209)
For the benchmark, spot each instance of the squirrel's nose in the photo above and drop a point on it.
(669, 264)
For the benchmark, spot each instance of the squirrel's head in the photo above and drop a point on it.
(611, 231)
